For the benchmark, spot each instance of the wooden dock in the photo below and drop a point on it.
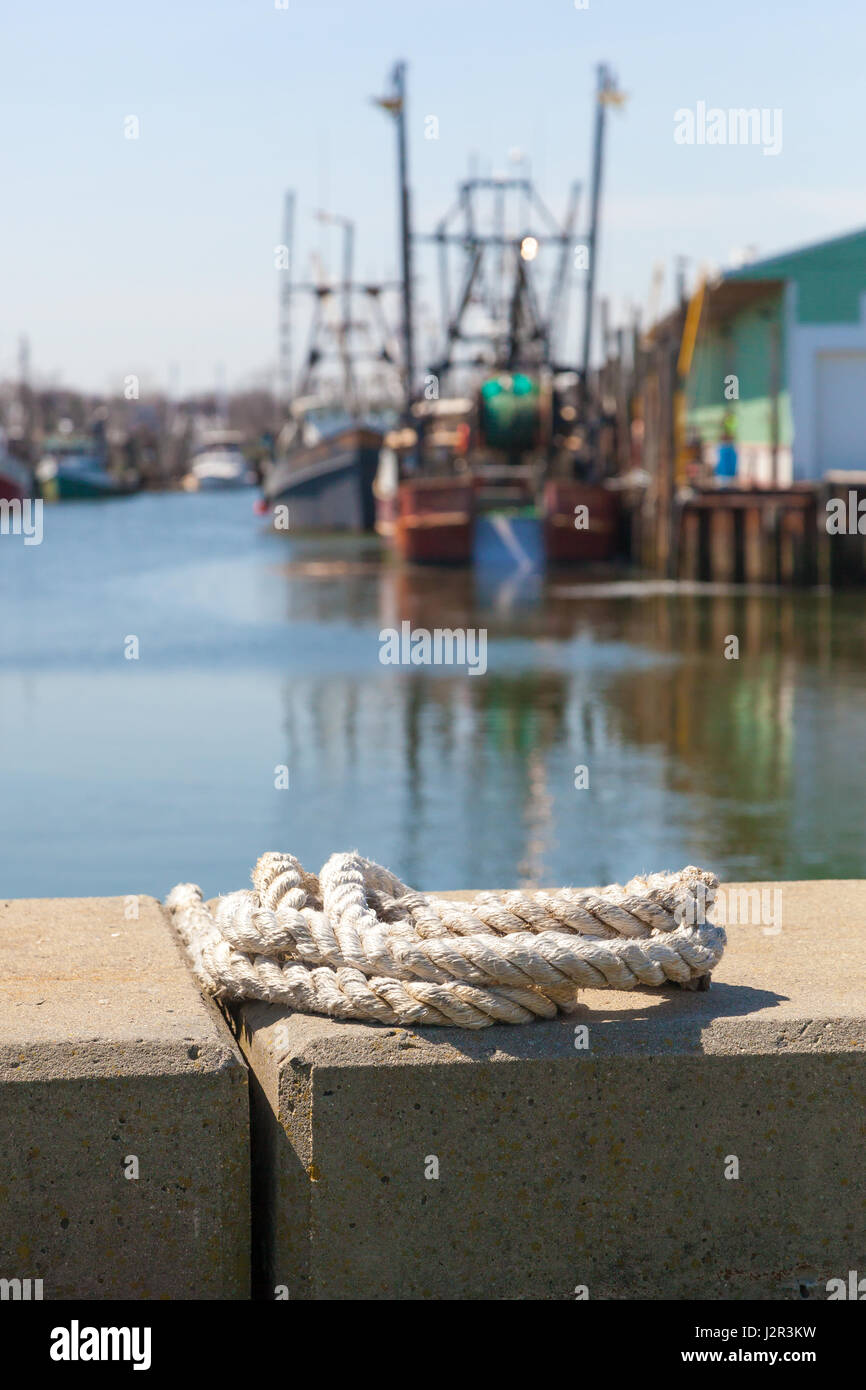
(746, 536)
(776, 536)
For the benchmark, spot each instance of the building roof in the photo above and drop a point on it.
(729, 296)
(774, 267)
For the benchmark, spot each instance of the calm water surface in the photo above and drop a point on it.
(257, 652)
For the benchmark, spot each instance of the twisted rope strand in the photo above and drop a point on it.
(357, 943)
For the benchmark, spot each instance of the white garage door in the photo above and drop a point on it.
(841, 393)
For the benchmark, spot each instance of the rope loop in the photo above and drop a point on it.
(354, 942)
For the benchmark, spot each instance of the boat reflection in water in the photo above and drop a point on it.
(264, 652)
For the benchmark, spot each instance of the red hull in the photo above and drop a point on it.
(433, 522)
(13, 486)
(566, 543)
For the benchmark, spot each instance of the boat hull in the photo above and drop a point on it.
(328, 486)
(433, 521)
(209, 483)
(572, 537)
(69, 488)
(509, 542)
(16, 482)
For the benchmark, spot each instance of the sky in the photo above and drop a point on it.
(155, 255)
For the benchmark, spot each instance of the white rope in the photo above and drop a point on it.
(357, 943)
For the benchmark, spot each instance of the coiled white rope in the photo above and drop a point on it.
(355, 942)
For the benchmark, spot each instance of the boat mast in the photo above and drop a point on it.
(346, 325)
(606, 95)
(395, 104)
(557, 306)
(285, 344)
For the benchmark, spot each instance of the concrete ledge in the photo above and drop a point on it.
(108, 1052)
(601, 1167)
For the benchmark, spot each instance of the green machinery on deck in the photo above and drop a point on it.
(510, 412)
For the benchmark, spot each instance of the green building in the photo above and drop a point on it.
(779, 364)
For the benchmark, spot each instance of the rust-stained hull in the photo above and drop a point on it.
(431, 521)
(567, 540)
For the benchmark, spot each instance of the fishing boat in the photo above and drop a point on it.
(442, 521)
(481, 492)
(324, 472)
(75, 468)
(512, 478)
(343, 400)
(429, 520)
(219, 463)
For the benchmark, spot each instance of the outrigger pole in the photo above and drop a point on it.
(607, 94)
(396, 105)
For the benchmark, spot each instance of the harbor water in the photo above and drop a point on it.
(182, 689)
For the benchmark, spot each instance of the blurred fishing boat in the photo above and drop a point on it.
(428, 516)
(474, 484)
(219, 463)
(498, 466)
(327, 449)
(74, 467)
(324, 471)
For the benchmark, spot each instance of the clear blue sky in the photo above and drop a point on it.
(124, 256)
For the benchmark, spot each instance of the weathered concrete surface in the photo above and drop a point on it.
(561, 1168)
(107, 1050)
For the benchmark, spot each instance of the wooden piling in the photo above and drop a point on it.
(745, 535)
(722, 546)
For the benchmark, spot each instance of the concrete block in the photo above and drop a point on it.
(109, 1054)
(607, 1169)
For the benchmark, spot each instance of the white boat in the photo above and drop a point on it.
(218, 463)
